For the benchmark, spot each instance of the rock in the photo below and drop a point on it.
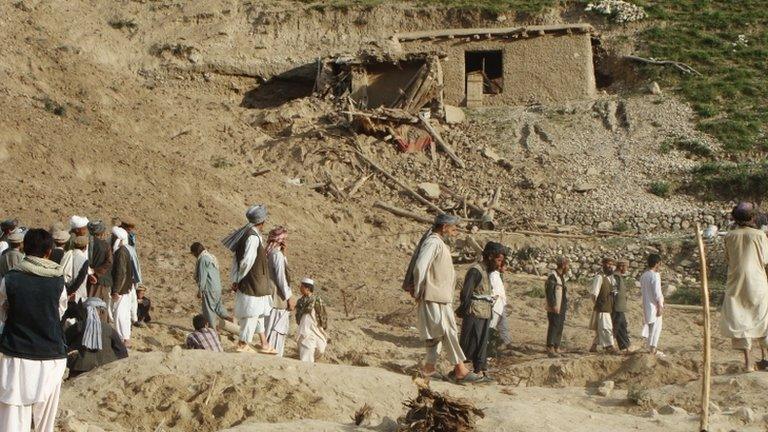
(584, 187)
(429, 190)
(605, 388)
(670, 290)
(654, 89)
(672, 410)
(686, 263)
(592, 171)
(746, 414)
(490, 154)
(605, 225)
(454, 115)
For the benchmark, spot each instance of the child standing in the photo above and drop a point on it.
(313, 322)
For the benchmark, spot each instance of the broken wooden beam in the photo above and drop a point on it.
(402, 185)
(443, 145)
(260, 172)
(357, 185)
(401, 212)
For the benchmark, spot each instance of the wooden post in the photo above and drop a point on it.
(706, 376)
(443, 145)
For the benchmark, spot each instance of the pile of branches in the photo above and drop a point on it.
(431, 411)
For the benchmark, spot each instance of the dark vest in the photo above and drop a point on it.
(620, 301)
(604, 301)
(482, 308)
(257, 282)
(32, 329)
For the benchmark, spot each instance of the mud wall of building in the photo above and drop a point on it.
(549, 68)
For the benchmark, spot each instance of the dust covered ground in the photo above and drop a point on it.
(159, 110)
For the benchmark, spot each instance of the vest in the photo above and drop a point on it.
(256, 282)
(441, 277)
(33, 328)
(604, 301)
(620, 301)
(481, 308)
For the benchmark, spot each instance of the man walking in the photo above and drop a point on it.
(130, 227)
(556, 293)
(603, 288)
(433, 282)
(33, 354)
(745, 306)
(250, 280)
(278, 322)
(653, 303)
(208, 281)
(476, 308)
(618, 317)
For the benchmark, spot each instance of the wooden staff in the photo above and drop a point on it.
(706, 378)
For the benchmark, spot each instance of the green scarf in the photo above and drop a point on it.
(306, 304)
(39, 267)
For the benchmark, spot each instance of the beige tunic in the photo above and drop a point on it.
(745, 306)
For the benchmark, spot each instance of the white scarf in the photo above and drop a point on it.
(92, 333)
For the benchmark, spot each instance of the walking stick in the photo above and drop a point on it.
(705, 379)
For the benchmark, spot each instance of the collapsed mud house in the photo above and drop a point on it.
(470, 67)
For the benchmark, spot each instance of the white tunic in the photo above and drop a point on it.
(72, 262)
(650, 290)
(498, 291)
(26, 382)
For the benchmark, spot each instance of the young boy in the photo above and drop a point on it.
(143, 308)
(204, 337)
(313, 322)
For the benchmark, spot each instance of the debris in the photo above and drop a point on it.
(362, 414)
(402, 185)
(679, 65)
(358, 184)
(404, 213)
(443, 145)
(430, 190)
(261, 172)
(433, 411)
(454, 115)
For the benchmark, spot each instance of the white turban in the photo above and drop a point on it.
(308, 281)
(121, 238)
(76, 222)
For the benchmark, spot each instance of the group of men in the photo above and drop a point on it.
(59, 291)
(430, 280)
(263, 296)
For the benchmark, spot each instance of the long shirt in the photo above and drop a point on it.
(650, 290)
(278, 265)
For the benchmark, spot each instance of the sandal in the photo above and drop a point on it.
(245, 349)
(270, 351)
(470, 378)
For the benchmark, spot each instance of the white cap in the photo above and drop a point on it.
(308, 281)
(76, 222)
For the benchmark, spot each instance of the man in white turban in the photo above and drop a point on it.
(122, 284)
(432, 282)
(251, 280)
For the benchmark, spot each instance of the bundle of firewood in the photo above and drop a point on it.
(431, 411)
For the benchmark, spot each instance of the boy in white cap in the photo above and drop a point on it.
(313, 323)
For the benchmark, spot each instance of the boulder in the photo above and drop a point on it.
(672, 410)
(745, 414)
(584, 187)
(454, 115)
(605, 388)
(654, 88)
(605, 225)
(429, 190)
